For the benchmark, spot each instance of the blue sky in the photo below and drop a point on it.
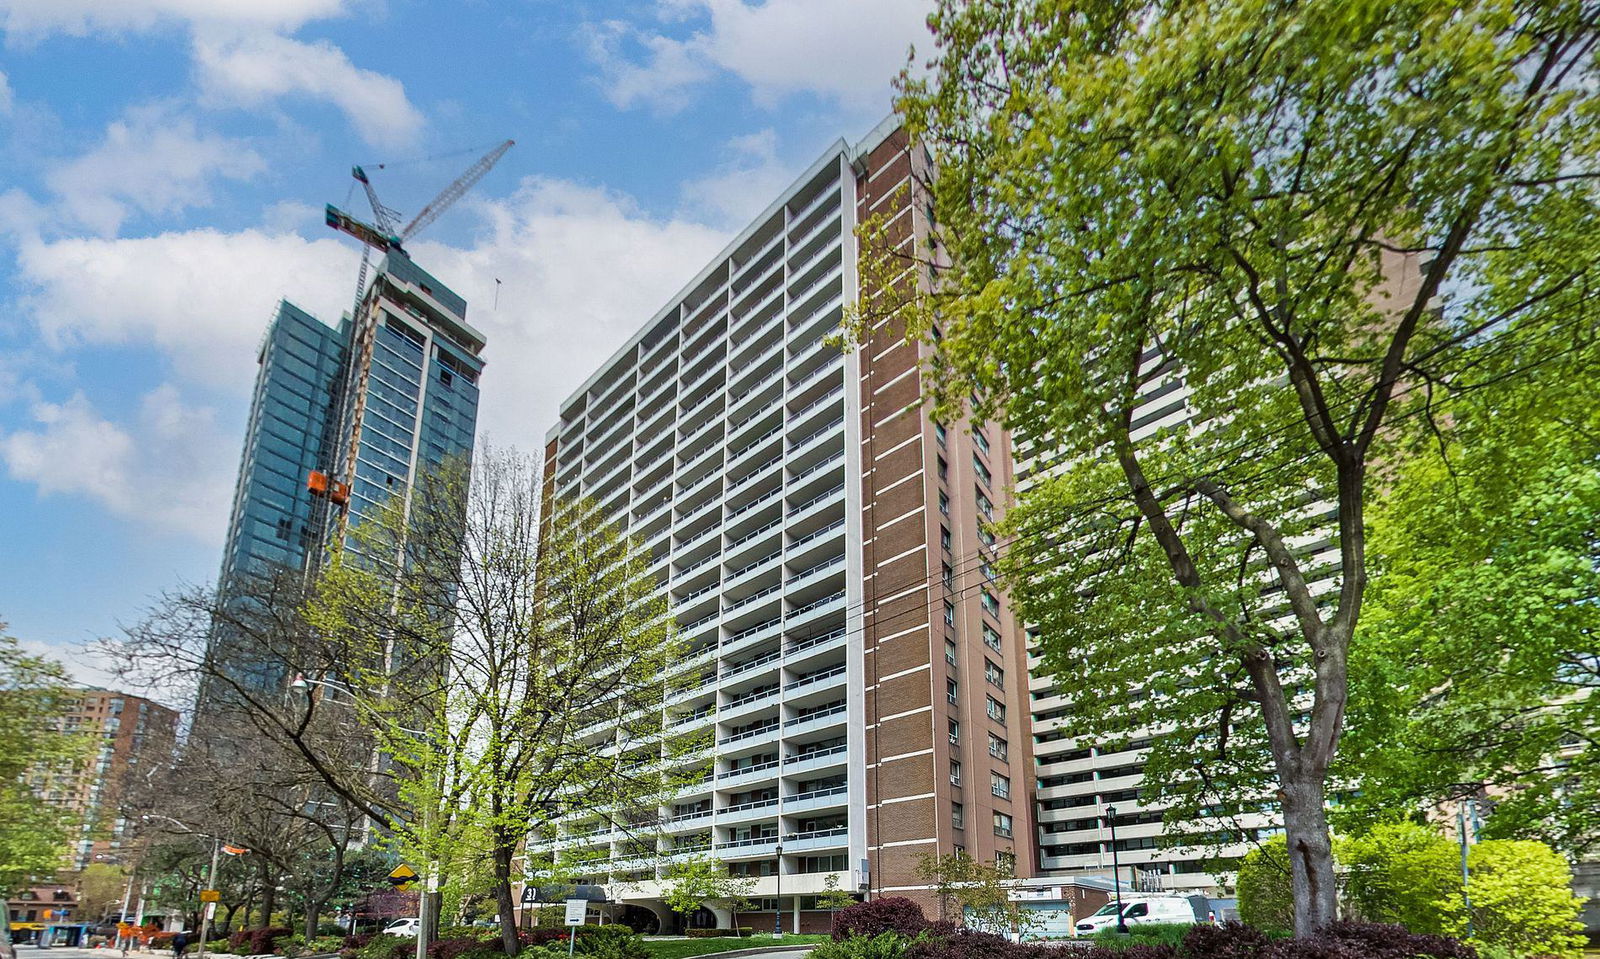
(163, 165)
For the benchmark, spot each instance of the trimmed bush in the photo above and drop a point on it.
(895, 914)
(965, 944)
(610, 942)
(257, 942)
(885, 945)
(717, 933)
(1149, 934)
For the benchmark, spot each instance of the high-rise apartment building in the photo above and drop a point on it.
(342, 418)
(820, 541)
(132, 739)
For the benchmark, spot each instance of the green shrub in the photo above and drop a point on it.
(330, 929)
(380, 947)
(217, 945)
(325, 943)
(885, 945)
(716, 933)
(610, 942)
(1266, 897)
(1151, 934)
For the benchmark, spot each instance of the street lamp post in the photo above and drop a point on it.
(207, 908)
(1116, 867)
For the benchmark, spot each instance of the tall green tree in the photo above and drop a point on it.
(536, 653)
(1477, 673)
(1288, 216)
(1522, 904)
(35, 747)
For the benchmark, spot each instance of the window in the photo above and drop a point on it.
(1000, 785)
(944, 469)
(979, 440)
(996, 710)
(955, 733)
(984, 536)
(991, 637)
(982, 471)
(994, 674)
(949, 613)
(949, 576)
(950, 690)
(985, 507)
(944, 538)
(944, 504)
(955, 773)
(950, 651)
(990, 604)
(1002, 825)
(958, 816)
(987, 569)
(997, 747)
(940, 433)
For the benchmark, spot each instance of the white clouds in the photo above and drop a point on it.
(743, 185)
(252, 69)
(7, 98)
(130, 468)
(202, 296)
(34, 18)
(843, 50)
(663, 78)
(581, 269)
(153, 160)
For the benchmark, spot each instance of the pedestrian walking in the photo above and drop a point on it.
(180, 942)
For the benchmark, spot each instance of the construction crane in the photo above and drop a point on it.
(333, 483)
(383, 236)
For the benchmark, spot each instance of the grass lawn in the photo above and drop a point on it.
(683, 948)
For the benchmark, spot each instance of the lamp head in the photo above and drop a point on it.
(1111, 811)
(300, 684)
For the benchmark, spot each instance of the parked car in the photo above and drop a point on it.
(7, 950)
(1138, 910)
(403, 927)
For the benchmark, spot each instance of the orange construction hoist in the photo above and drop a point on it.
(317, 483)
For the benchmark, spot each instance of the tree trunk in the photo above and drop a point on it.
(502, 893)
(269, 896)
(313, 913)
(1305, 826)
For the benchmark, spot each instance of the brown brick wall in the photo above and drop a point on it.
(894, 405)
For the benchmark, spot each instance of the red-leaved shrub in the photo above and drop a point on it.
(888, 914)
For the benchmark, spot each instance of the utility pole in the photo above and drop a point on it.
(122, 916)
(1465, 822)
(207, 908)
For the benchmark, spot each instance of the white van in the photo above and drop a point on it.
(1137, 910)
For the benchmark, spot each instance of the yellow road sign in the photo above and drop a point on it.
(402, 875)
(210, 895)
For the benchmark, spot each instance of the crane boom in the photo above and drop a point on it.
(384, 216)
(454, 191)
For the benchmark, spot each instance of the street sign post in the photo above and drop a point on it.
(210, 895)
(577, 912)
